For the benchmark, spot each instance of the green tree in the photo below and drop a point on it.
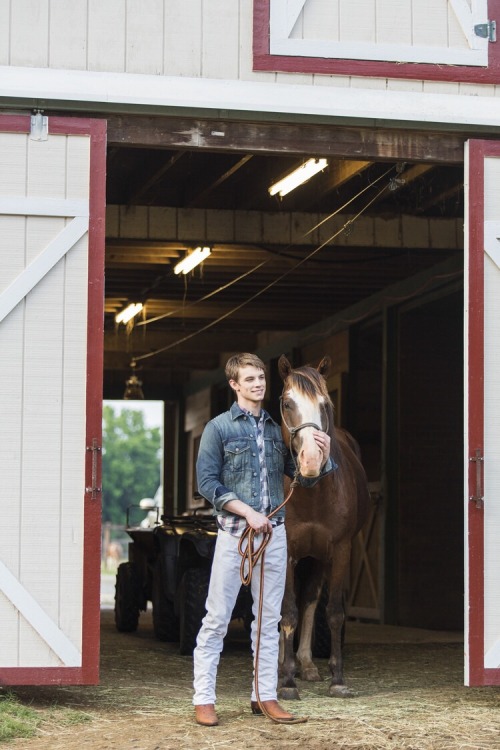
(131, 461)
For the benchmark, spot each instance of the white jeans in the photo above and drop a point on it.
(222, 593)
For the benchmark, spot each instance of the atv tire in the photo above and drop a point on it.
(193, 592)
(127, 598)
(165, 622)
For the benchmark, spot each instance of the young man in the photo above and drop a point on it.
(240, 467)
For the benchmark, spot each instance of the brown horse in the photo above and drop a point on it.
(321, 522)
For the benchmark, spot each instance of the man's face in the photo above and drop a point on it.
(251, 384)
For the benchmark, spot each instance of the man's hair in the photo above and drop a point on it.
(234, 363)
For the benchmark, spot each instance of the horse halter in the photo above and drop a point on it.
(294, 430)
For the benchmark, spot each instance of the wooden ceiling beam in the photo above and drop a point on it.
(167, 249)
(138, 343)
(341, 172)
(147, 184)
(199, 197)
(347, 142)
(443, 195)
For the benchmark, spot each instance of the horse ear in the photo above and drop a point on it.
(284, 367)
(324, 366)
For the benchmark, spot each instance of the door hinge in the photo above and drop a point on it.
(39, 130)
(478, 498)
(486, 30)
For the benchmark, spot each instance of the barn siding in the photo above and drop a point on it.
(207, 38)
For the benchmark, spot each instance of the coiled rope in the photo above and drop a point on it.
(250, 556)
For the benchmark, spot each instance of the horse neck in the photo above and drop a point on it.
(335, 451)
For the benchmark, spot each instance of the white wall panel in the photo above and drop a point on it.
(357, 21)
(68, 34)
(220, 48)
(430, 23)
(13, 154)
(12, 237)
(492, 425)
(144, 36)
(320, 19)
(183, 38)
(77, 178)
(74, 304)
(41, 454)
(29, 33)
(106, 36)
(4, 33)
(393, 22)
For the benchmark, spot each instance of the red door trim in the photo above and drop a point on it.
(88, 673)
(478, 150)
(263, 60)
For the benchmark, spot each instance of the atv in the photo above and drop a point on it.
(169, 565)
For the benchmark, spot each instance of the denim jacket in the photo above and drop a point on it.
(228, 462)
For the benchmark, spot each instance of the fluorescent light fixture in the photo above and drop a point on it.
(192, 260)
(298, 176)
(128, 312)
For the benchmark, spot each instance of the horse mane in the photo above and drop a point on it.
(309, 382)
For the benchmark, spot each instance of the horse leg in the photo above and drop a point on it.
(308, 604)
(335, 615)
(289, 617)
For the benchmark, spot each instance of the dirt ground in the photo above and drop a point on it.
(408, 695)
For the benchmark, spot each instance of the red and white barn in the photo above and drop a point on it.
(391, 65)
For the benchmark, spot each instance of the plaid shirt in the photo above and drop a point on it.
(236, 524)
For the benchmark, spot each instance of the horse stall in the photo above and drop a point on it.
(421, 423)
(368, 263)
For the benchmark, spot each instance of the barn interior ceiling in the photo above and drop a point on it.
(277, 265)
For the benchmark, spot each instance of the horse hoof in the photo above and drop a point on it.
(288, 694)
(340, 691)
(310, 675)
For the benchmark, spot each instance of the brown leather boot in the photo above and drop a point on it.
(205, 715)
(275, 712)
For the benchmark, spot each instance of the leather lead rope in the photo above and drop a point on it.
(250, 556)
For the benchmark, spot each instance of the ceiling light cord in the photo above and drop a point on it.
(281, 252)
(347, 225)
(207, 296)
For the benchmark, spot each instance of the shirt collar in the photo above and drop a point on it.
(239, 411)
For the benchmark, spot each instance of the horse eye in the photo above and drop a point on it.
(286, 404)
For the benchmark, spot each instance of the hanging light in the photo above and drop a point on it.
(133, 386)
(298, 176)
(192, 260)
(128, 312)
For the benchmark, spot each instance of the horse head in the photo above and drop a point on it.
(305, 406)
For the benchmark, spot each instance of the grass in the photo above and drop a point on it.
(18, 720)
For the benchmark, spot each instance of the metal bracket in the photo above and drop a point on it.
(94, 489)
(39, 126)
(486, 30)
(478, 498)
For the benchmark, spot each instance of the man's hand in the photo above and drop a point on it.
(258, 521)
(323, 443)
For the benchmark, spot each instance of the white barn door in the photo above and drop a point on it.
(482, 413)
(52, 188)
